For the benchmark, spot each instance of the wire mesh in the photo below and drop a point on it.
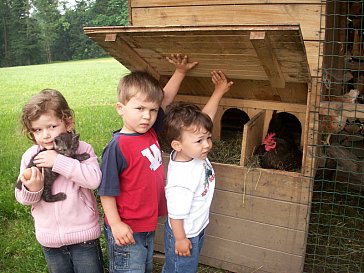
(335, 240)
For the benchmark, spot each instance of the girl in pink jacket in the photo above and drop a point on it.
(68, 230)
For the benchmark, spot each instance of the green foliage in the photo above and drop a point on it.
(44, 31)
(110, 13)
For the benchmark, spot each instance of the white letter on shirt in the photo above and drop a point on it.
(154, 156)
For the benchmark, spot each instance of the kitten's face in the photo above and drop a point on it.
(66, 144)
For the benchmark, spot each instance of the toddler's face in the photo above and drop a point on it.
(195, 143)
(46, 128)
(138, 114)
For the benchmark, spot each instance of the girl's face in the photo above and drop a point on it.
(195, 143)
(138, 114)
(47, 127)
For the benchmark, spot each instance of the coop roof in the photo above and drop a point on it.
(271, 55)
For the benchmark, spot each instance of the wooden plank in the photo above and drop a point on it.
(221, 54)
(241, 257)
(255, 104)
(272, 184)
(304, 135)
(163, 3)
(251, 256)
(252, 137)
(232, 52)
(312, 51)
(267, 57)
(110, 37)
(350, 110)
(248, 90)
(130, 59)
(256, 234)
(259, 209)
(308, 16)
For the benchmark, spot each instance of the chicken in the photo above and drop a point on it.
(332, 118)
(286, 126)
(277, 153)
(280, 146)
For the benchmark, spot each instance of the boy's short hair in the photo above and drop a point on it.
(182, 115)
(139, 82)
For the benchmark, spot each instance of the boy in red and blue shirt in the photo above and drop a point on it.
(132, 186)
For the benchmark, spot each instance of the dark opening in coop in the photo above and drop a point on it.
(227, 149)
(232, 123)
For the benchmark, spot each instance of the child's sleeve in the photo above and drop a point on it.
(23, 196)
(179, 201)
(112, 164)
(86, 173)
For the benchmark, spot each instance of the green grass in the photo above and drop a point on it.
(90, 89)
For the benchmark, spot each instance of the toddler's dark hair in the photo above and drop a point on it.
(180, 116)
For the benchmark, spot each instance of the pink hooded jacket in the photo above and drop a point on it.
(75, 219)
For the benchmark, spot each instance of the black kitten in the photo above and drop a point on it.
(65, 144)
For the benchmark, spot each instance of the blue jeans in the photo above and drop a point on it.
(137, 258)
(85, 257)
(181, 264)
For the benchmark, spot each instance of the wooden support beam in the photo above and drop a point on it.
(350, 110)
(264, 50)
(130, 58)
(253, 130)
(110, 37)
(254, 104)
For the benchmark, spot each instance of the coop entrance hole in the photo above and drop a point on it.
(287, 125)
(232, 123)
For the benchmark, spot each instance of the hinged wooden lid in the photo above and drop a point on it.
(270, 54)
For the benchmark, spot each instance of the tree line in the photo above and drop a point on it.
(45, 31)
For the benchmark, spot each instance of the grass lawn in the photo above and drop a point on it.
(90, 89)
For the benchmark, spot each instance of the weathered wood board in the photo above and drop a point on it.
(253, 132)
(306, 13)
(225, 48)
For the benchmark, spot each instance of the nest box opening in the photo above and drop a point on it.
(287, 125)
(232, 123)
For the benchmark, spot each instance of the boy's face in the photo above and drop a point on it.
(195, 143)
(138, 114)
(47, 127)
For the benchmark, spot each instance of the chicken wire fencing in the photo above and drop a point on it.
(335, 241)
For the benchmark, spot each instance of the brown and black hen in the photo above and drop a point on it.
(280, 147)
(277, 153)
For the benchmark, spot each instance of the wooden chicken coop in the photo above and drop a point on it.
(270, 49)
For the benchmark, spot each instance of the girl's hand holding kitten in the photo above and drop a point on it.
(36, 181)
(46, 159)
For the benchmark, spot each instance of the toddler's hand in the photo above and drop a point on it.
(46, 159)
(181, 63)
(182, 247)
(220, 81)
(123, 234)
